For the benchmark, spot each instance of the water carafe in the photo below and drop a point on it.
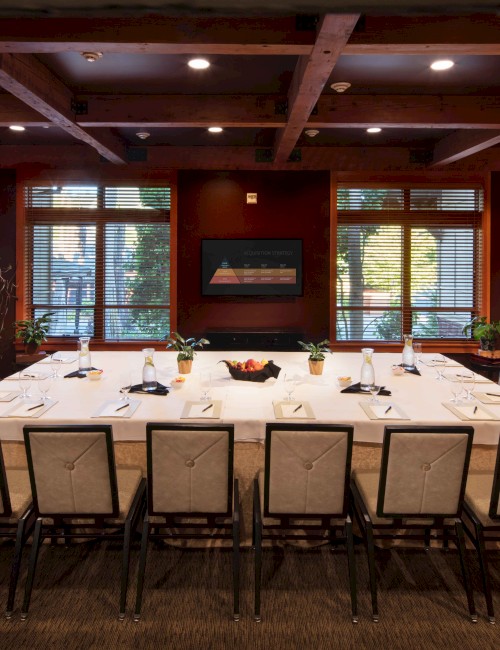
(367, 371)
(84, 362)
(149, 371)
(408, 352)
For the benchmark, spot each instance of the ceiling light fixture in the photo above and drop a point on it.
(198, 64)
(17, 127)
(143, 135)
(312, 133)
(374, 129)
(444, 64)
(215, 129)
(340, 86)
(92, 57)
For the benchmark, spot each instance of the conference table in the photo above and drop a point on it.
(415, 399)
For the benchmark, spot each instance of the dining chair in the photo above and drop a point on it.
(17, 519)
(481, 519)
(303, 493)
(79, 493)
(418, 489)
(191, 492)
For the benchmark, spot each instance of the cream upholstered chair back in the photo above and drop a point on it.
(307, 469)
(5, 507)
(190, 468)
(494, 510)
(72, 470)
(424, 470)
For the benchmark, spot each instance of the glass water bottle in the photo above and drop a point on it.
(84, 362)
(149, 371)
(408, 352)
(367, 371)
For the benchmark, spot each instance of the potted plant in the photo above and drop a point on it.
(317, 353)
(33, 331)
(185, 349)
(487, 333)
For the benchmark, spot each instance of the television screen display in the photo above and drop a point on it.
(251, 267)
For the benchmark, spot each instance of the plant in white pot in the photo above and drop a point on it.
(185, 349)
(317, 352)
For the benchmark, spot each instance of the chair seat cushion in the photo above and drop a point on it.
(478, 495)
(18, 481)
(128, 479)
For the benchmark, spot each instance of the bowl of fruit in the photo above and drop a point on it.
(178, 382)
(252, 370)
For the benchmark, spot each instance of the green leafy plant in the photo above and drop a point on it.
(33, 331)
(316, 350)
(185, 347)
(487, 333)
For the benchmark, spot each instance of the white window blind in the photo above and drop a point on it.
(99, 257)
(408, 260)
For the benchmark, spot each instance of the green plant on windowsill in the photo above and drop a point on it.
(33, 331)
(487, 333)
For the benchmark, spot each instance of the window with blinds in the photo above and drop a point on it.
(99, 258)
(408, 260)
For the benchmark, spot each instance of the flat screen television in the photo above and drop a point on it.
(251, 267)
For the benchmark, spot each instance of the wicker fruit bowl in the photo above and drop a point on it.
(252, 370)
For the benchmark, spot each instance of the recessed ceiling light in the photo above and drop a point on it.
(444, 64)
(215, 129)
(92, 57)
(17, 127)
(198, 64)
(374, 129)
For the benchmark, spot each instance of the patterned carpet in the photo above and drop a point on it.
(305, 601)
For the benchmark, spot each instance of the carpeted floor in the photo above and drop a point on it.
(305, 601)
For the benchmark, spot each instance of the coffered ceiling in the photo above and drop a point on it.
(269, 82)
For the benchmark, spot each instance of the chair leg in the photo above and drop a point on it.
(32, 567)
(483, 563)
(370, 549)
(427, 538)
(465, 570)
(352, 570)
(236, 571)
(142, 568)
(125, 568)
(258, 571)
(15, 566)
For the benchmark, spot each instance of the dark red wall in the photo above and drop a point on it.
(495, 240)
(290, 205)
(7, 257)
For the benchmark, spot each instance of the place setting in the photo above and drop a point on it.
(28, 405)
(205, 407)
(463, 403)
(122, 407)
(290, 408)
(375, 409)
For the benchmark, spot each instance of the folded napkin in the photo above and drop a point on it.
(80, 374)
(414, 370)
(356, 388)
(159, 390)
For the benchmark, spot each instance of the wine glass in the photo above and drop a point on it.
(44, 385)
(125, 386)
(55, 364)
(374, 390)
(24, 380)
(417, 348)
(469, 383)
(205, 384)
(439, 363)
(456, 389)
(290, 383)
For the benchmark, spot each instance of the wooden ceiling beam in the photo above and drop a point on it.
(27, 79)
(310, 77)
(156, 34)
(463, 144)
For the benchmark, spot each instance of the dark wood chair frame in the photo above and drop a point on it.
(480, 534)
(20, 530)
(64, 528)
(443, 530)
(180, 525)
(292, 527)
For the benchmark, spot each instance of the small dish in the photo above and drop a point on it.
(398, 371)
(178, 382)
(94, 374)
(344, 381)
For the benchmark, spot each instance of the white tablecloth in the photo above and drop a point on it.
(247, 405)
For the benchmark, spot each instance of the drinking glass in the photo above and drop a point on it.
(44, 385)
(417, 348)
(469, 383)
(205, 384)
(456, 388)
(55, 364)
(374, 390)
(125, 386)
(439, 363)
(290, 384)
(24, 380)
